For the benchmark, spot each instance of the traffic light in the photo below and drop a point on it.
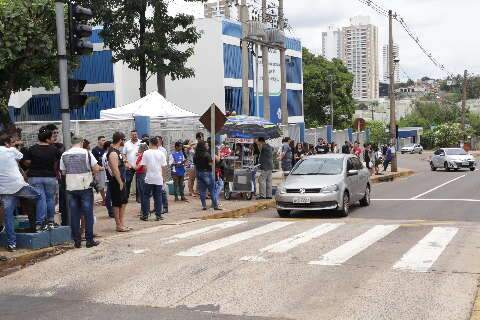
(77, 99)
(79, 30)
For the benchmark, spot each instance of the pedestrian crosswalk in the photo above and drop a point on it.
(417, 258)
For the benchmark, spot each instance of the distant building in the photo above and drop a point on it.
(332, 43)
(360, 55)
(386, 63)
(216, 9)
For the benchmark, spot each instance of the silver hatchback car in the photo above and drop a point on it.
(324, 182)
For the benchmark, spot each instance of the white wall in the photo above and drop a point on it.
(127, 84)
(198, 93)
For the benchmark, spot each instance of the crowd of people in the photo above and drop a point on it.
(374, 156)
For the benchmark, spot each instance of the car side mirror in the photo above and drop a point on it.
(442, 154)
(351, 173)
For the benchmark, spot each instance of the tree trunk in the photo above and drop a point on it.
(161, 84)
(142, 58)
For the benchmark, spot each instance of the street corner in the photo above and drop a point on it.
(242, 210)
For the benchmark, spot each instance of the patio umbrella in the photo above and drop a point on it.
(249, 127)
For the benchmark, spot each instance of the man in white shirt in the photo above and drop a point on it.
(164, 190)
(130, 150)
(79, 167)
(155, 162)
(12, 186)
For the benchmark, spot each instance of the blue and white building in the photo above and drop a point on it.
(218, 78)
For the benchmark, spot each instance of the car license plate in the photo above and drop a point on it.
(465, 164)
(301, 200)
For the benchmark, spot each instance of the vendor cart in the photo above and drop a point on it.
(239, 168)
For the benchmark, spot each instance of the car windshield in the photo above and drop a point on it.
(456, 152)
(319, 166)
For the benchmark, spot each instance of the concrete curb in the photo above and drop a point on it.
(392, 176)
(23, 260)
(241, 212)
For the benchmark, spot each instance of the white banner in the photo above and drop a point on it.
(274, 72)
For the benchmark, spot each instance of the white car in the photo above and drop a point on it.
(412, 148)
(452, 159)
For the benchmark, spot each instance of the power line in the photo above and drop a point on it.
(384, 12)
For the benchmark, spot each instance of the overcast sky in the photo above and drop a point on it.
(448, 29)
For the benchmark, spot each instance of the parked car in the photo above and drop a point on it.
(324, 182)
(452, 159)
(412, 148)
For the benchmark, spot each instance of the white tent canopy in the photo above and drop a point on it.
(153, 105)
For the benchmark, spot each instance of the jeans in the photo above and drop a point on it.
(130, 174)
(47, 188)
(10, 202)
(385, 164)
(81, 203)
(144, 198)
(164, 200)
(265, 184)
(178, 186)
(205, 183)
(218, 189)
(156, 191)
(108, 200)
(62, 201)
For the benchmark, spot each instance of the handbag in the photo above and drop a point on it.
(94, 183)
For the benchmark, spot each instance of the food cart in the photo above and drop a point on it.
(241, 132)
(239, 168)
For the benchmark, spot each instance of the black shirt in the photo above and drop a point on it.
(44, 159)
(321, 148)
(203, 162)
(98, 154)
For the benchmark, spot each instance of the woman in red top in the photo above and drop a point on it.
(357, 150)
(140, 173)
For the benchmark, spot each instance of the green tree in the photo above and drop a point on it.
(447, 135)
(27, 47)
(143, 35)
(317, 73)
(377, 132)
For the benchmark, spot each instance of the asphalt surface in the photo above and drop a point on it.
(413, 254)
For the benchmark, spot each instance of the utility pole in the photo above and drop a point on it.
(63, 72)
(245, 65)
(283, 67)
(391, 67)
(266, 75)
(330, 78)
(464, 103)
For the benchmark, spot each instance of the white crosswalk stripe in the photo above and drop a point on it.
(424, 254)
(202, 231)
(355, 246)
(202, 249)
(292, 242)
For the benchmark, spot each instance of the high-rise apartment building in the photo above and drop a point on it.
(217, 8)
(386, 63)
(332, 43)
(360, 55)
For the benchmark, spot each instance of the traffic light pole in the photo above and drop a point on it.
(63, 72)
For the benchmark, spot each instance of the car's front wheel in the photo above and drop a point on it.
(445, 165)
(284, 213)
(472, 169)
(344, 210)
(432, 166)
(365, 202)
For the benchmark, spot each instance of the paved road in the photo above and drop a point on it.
(414, 254)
